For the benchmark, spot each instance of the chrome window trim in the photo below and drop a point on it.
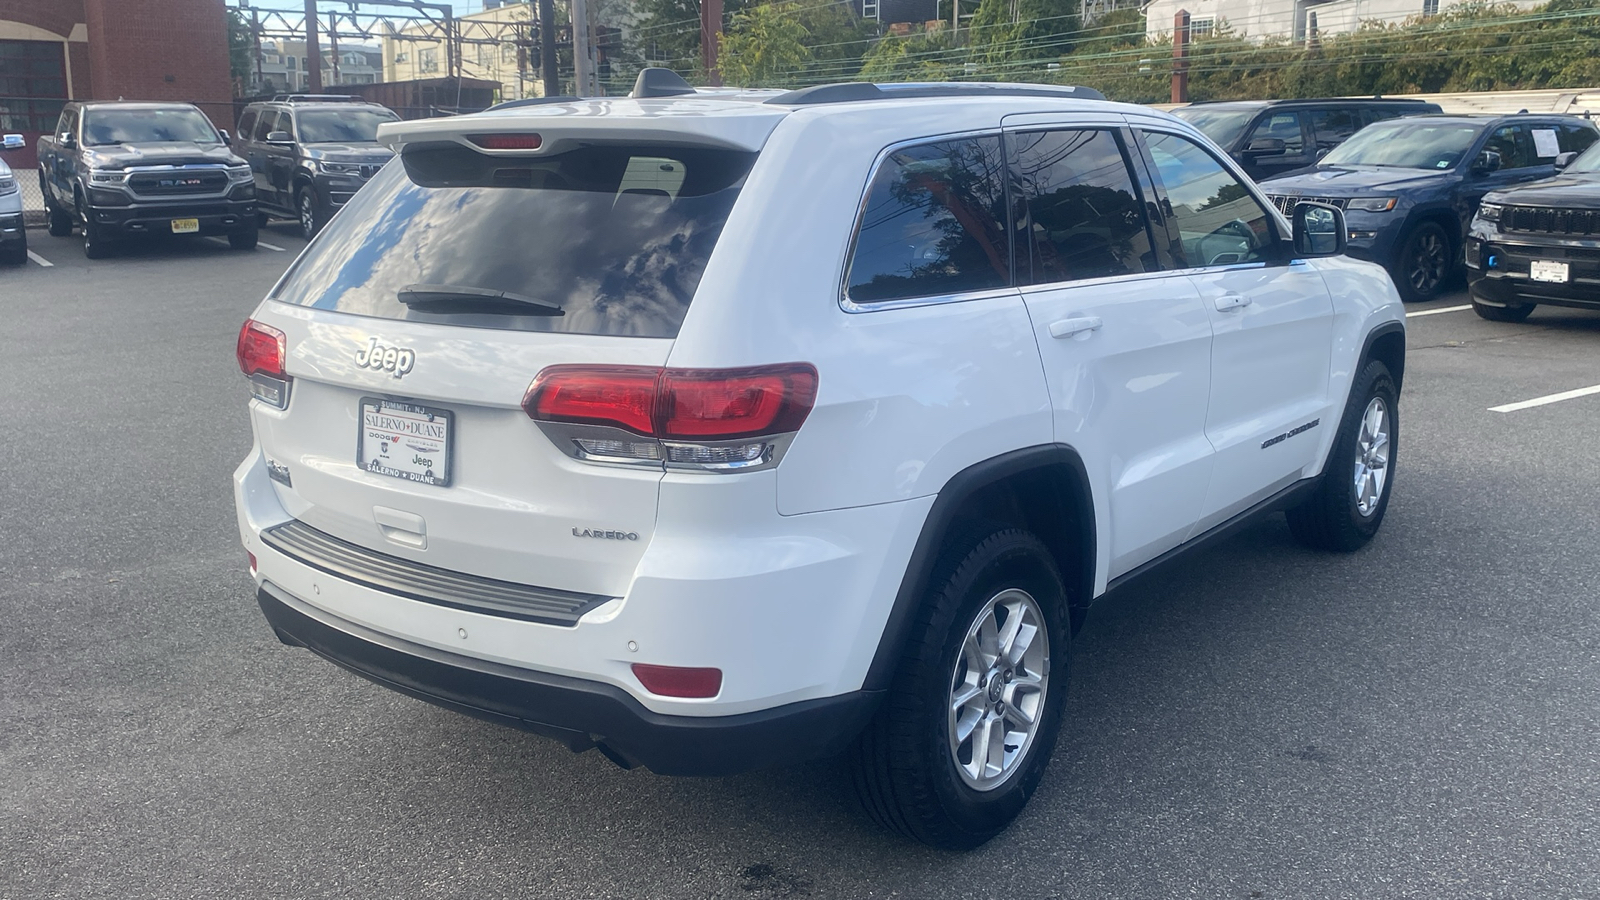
(851, 306)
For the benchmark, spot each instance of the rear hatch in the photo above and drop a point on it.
(414, 325)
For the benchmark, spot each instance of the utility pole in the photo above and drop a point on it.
(710, 37)
(582, 51)
(1180, 57)
(313, 51)
(333, 43)
(255, 40)
(547, 49)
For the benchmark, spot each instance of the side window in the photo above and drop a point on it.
(1332, 126)
(285, 123)
(1381, 113)
(68, 123)
(934, 223)
(1084, 218)
(267, 124)
(1285, 126)
(1575, 138)
(1219, 222)
(1513, 145)
(1546, 143)
(247, 124)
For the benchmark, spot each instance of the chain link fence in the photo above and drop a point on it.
(32, 199)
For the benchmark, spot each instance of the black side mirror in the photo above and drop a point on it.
(1321, 152)
(227, 139)
(1565, 159)
(67, 141)
(1319, 230)
(1266, 147)
(1488, 161)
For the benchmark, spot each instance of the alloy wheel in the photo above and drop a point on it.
(1372, 456)
(997, 690)
(308, 215)
(1429, 260)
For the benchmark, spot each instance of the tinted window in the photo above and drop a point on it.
(1218, 220)
(1513, 145)
(247, 123)
(1575, 138)
(581, 230)
(68, 123)
(344, 125)
(1333, 126)
(933, 223)
(1221, 125)
(111, 125)
(1083, 213)
(1408, 143)
(1285, 126)
(267, 125)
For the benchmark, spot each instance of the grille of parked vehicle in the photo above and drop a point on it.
(178, 181)
(1551, 220)
(1286, 204)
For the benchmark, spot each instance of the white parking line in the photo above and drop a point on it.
(271, 246)
(1435, 312)
(1548, 398)
(41, 260)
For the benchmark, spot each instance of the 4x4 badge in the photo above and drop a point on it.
(386, 359)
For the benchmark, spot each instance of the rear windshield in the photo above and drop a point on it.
(599, 240)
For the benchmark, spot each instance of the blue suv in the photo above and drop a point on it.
(1409, 187)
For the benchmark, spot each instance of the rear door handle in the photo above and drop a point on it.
(1232, 301)
(1078, 327)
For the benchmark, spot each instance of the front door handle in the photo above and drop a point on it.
(1232, 301)
(1079, 327)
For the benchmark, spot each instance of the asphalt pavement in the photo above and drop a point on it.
(1419, 719)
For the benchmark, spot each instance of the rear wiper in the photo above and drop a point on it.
(447, 298)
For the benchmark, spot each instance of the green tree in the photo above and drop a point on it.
(241, 46)
(667, 33)
(764, 46)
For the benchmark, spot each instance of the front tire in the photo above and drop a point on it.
(95, 243)
(244, 240)
(58, 220)
(15, 254)
(1425, 263)
(1503, 313)
(312, 215)
(1348, 505)
(966, 729)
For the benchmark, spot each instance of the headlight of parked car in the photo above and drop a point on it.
(103, 176)
(1372, 204)
(335, 168)
(1490, 212)
(8, 184)
(237, 174)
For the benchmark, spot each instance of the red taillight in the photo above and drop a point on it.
(619, 396)
(261, 350)
(677, 681)
(677, 404)
(252, 561)
(507, 141)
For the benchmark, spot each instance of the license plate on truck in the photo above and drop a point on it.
(185, 226)
(1553, 272)
(404, 440)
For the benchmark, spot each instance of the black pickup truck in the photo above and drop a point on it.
(121, 169)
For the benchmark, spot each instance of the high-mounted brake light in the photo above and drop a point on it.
(261, 352)
(507, 141)
(725, 419)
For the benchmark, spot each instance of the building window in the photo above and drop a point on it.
(289, 61)
(1203, 28)
(1430, 8)
(33, 85)
(430, 60)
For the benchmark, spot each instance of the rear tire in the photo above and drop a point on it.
(1348, 505)
(914, 772)
(262, 220)
(1425, 264)
(1503, 313)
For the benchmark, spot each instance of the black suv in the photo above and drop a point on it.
(310, 153)
(1271, 137)
(1538, 243)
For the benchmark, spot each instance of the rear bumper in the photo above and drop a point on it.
(579, 713)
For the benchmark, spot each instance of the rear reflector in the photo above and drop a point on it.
(252, 561)
(507, 141)
(676, 681)
(677, 404)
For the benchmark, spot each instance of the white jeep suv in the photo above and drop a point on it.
(719, 430)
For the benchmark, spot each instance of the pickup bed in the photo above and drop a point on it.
(119, 169)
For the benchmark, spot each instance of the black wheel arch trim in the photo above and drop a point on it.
(961, 487)
(1378, 331)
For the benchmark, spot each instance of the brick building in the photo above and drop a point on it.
(52, 51)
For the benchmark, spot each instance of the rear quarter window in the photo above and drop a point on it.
(616, 237)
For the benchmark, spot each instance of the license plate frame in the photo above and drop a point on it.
(408, 426)
(1549, 271)
(185, 226)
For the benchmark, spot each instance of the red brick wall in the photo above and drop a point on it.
(160, 50)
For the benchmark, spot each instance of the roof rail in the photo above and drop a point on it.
(532, 101)
(658, 82)
(318, 98)
(856, 91)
